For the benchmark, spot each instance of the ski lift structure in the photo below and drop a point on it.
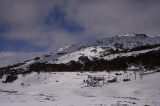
(95, 81)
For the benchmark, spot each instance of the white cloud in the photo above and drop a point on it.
(109, 17)
(99, 18)
(25, 19)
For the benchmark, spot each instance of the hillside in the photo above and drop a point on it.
(122, 51)
(101, 48)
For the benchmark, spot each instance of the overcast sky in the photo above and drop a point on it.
(31, 27)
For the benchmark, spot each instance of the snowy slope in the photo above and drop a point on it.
(100, 48)
(68, 89)
(99, 52)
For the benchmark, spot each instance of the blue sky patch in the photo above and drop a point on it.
(57, 18)
(17, 45)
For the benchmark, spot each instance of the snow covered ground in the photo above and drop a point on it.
(68, 89)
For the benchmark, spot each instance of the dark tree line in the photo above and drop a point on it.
(150, 60)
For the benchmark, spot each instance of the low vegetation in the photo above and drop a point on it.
(148, 61)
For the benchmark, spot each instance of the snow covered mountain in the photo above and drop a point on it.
(44, 84)
(107, 48)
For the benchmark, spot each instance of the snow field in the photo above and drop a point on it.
(68, 89)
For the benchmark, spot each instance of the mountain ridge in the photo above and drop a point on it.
(107, 49)
(107, 44)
